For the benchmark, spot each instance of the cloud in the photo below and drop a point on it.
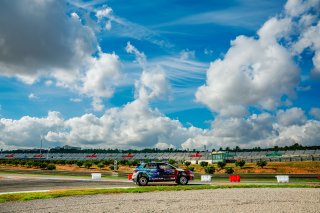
(252, 73)
(26, 131)
(315, 112)
(262, 130)
(32, 96)
(260, 72)
(60, 49)
(48, 45)
(289, 117)
(140, 56)
(298, 7)
(75, 100)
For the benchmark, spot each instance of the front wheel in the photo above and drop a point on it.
(143, 181)
(183, 180)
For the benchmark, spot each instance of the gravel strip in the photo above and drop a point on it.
(219, 200)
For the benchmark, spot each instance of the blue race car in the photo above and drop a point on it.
(160, 172)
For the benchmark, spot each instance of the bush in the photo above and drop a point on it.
(51, 166)
(61, 162)
(203, 164)
(107, 162)
(209, 169)
(221, 164)
(191, 168)
(88, 164)
(43, 165)
(100, 165)
(16, 162)
(135, 162)
(187, 163)
(172, 162)
(123, 162)
(70, 162)
(229, 170)
(96, 162)
(79, 163)
(23, 163)
(36, 163)
(29, 164)
(111, 167)
(240, 163)
(262, 163)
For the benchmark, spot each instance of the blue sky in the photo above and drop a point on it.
(189, 73)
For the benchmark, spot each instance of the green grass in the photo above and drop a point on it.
(63, 193)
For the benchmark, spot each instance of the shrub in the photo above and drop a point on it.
(51, 166)
(221, 164)
(203, 163)
(79, 163)
(111, 167)
(96, 162)
(88, 164)
(70, 162)
(262, 163)
(29, 164)
(100, 165)
(123, 162)
(191, 168)
(172, 162)
(187, 163)
(43, 165)
(240, 163)
(16, 162)
(62, 162)
(209, 169)
(229, 170)
(107, 162)
(23, 163)
(36, 163)
(135, 162)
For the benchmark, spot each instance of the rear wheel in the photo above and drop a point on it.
(183, 180)
(143, 181)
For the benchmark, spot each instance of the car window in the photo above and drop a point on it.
(165, 166)
(151, 166)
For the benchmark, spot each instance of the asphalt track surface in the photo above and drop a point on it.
(16, 183)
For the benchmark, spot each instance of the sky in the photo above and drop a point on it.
(159, 74)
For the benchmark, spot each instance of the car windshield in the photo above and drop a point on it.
(151, 166)
(165, 166)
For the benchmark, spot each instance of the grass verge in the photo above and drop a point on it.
(63, 193)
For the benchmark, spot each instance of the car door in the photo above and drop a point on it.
(152, 171)
(167, 172)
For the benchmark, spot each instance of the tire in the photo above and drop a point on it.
(142, 181)
(183, 180)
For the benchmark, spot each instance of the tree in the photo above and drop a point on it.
(100, 165)
(262, 163)
(203, 163)
(79, 163)
(187, 163)
(209, 169)
(240, 163)
(221, 164)
(88, 164)
(229, 170)
(171, 161)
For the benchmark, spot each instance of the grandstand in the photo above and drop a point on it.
(193, 157)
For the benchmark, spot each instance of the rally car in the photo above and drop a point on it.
(160, 172)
